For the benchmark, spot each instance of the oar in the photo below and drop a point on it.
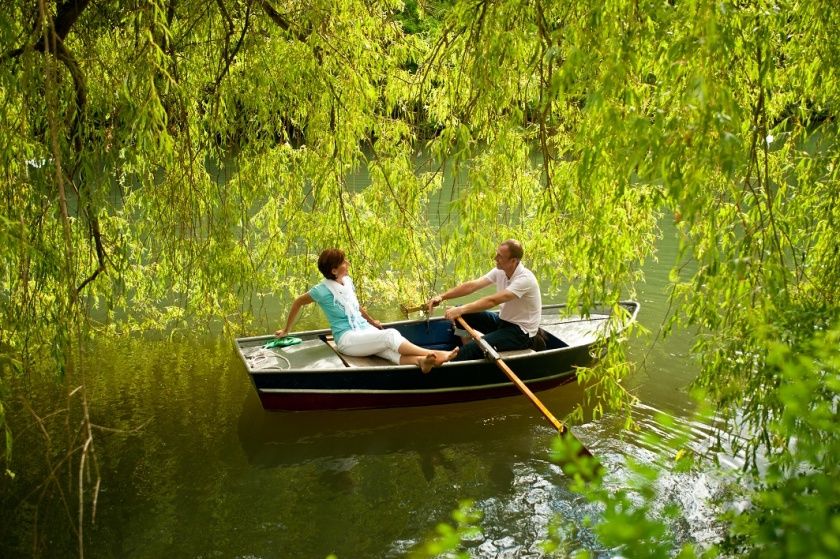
(494, 355)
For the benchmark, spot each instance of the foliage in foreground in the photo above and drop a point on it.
(792, 509)
(795, 505)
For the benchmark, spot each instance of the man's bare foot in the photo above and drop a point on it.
(442, 357)
(427, 362)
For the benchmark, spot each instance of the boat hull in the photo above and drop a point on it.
(445, 385)
(314, 376)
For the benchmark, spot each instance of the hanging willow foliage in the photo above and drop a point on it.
(164, 161)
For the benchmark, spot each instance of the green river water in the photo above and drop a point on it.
(191, 466)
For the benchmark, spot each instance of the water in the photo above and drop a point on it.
(191, 466)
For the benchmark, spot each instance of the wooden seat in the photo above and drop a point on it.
(516, 352)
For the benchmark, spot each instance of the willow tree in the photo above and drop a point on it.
(165, 160)
(722, 115)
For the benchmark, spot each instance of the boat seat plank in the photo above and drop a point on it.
(516, 352)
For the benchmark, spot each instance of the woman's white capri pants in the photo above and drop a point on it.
(372, 341)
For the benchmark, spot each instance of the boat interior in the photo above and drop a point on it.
(318, 351)
(440, 335)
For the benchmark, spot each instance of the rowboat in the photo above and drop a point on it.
(312, 374)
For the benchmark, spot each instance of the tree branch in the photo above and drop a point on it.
(68, 13)
(237, 47)
(281, 21)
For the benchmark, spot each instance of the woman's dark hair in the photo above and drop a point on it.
(330, 259)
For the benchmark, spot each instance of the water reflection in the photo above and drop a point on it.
(198, 468)
(696, 492)
(271, 439)
(416, 464)
(195, 467)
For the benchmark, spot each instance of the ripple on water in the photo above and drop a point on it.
(516, 523)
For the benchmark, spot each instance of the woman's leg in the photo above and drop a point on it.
(385, 344)
(407, 353)
(391, 345)
(368, 341)
(425, 362)
(408, 349)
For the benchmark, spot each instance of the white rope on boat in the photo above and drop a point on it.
(264, 358)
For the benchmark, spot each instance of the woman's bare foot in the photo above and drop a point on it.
(427, 362)
(442, 357)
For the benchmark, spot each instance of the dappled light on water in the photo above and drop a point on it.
(199, 468)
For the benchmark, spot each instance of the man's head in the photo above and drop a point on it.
(508, 255)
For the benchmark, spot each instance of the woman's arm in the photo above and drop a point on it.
(301, 301)
(373, 322)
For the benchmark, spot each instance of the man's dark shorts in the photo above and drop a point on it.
(500, 334)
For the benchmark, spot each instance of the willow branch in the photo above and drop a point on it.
(68, 14)
(66, 57)
(281, 21)
(100, 249)
(229, 57)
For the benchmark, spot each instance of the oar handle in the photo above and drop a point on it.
(494, 355)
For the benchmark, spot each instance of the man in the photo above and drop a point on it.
(518, 296)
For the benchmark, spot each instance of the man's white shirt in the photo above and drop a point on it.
(526, 309)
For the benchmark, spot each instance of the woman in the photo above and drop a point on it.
(354, 331)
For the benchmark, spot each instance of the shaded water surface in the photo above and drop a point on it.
(191, 466)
